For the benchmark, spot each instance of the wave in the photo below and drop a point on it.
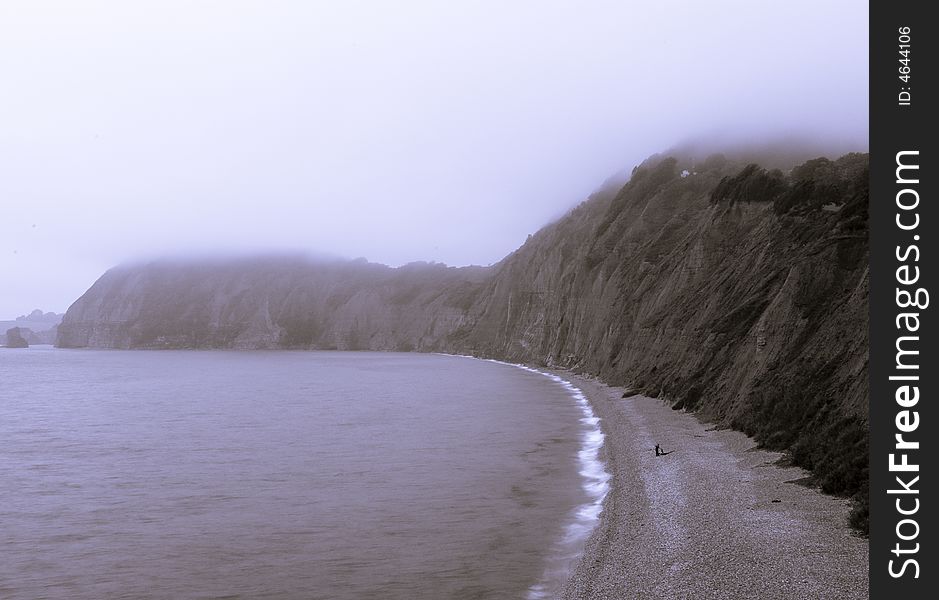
(595, 482)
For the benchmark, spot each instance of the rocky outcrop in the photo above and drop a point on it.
(34, 338)
(37, 327)
(15, 339)
(725, 288)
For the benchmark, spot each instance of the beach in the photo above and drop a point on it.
(715, 518)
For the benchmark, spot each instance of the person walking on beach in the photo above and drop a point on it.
(658, 451)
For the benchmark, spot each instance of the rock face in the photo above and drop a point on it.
(15, 339)
(273, 302)
(727, 289)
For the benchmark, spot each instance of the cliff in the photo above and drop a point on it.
(734, 291)
(271, 302)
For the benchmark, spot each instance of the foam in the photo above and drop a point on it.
(595, 482)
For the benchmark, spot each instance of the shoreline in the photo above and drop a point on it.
(716, 519)
(595, 482)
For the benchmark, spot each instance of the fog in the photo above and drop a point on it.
(395, 131)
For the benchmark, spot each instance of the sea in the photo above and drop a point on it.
(309, 475)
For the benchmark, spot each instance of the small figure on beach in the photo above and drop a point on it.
(660, 452)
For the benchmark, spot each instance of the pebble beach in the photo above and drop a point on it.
(715, 518)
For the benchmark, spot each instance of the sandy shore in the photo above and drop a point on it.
(715, 519)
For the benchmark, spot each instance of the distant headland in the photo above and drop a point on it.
(37, 327)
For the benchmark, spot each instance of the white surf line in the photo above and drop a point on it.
(595, 483)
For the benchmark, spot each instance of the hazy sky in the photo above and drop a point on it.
(397, 131)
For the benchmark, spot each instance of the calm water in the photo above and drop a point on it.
(286, 475)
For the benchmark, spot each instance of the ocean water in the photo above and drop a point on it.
(316, 475)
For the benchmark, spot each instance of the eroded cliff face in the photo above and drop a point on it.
(730, 290)
(743, 298)
(272, 302)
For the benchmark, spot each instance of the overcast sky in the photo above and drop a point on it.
(397, 131)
